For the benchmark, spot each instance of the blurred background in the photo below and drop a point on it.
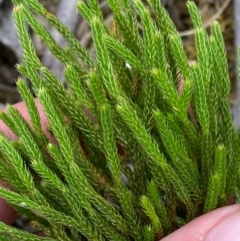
(225, 11)
(10, 52)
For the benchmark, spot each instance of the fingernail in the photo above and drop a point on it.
(227, 230)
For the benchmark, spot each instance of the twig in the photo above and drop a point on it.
(209, 22)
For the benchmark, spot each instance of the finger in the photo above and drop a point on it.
(217, 225)
(21, 107)
(7, 214)
(228, 229)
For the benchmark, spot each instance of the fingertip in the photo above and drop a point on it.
(200, 227)
(227, 229)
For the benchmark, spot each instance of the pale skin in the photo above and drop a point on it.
(219, 225)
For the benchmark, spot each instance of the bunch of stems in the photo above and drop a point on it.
(129, 162)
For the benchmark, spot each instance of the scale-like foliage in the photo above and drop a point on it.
(129, 161)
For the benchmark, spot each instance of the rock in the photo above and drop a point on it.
(8, 33)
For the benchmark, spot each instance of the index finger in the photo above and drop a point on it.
(7, 214)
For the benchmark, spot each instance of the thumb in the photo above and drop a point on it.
(222, 224)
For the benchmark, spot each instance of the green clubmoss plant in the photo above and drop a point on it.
(135, 157)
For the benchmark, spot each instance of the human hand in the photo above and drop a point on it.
(222, 224)
(219, 225)
(7, 214)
